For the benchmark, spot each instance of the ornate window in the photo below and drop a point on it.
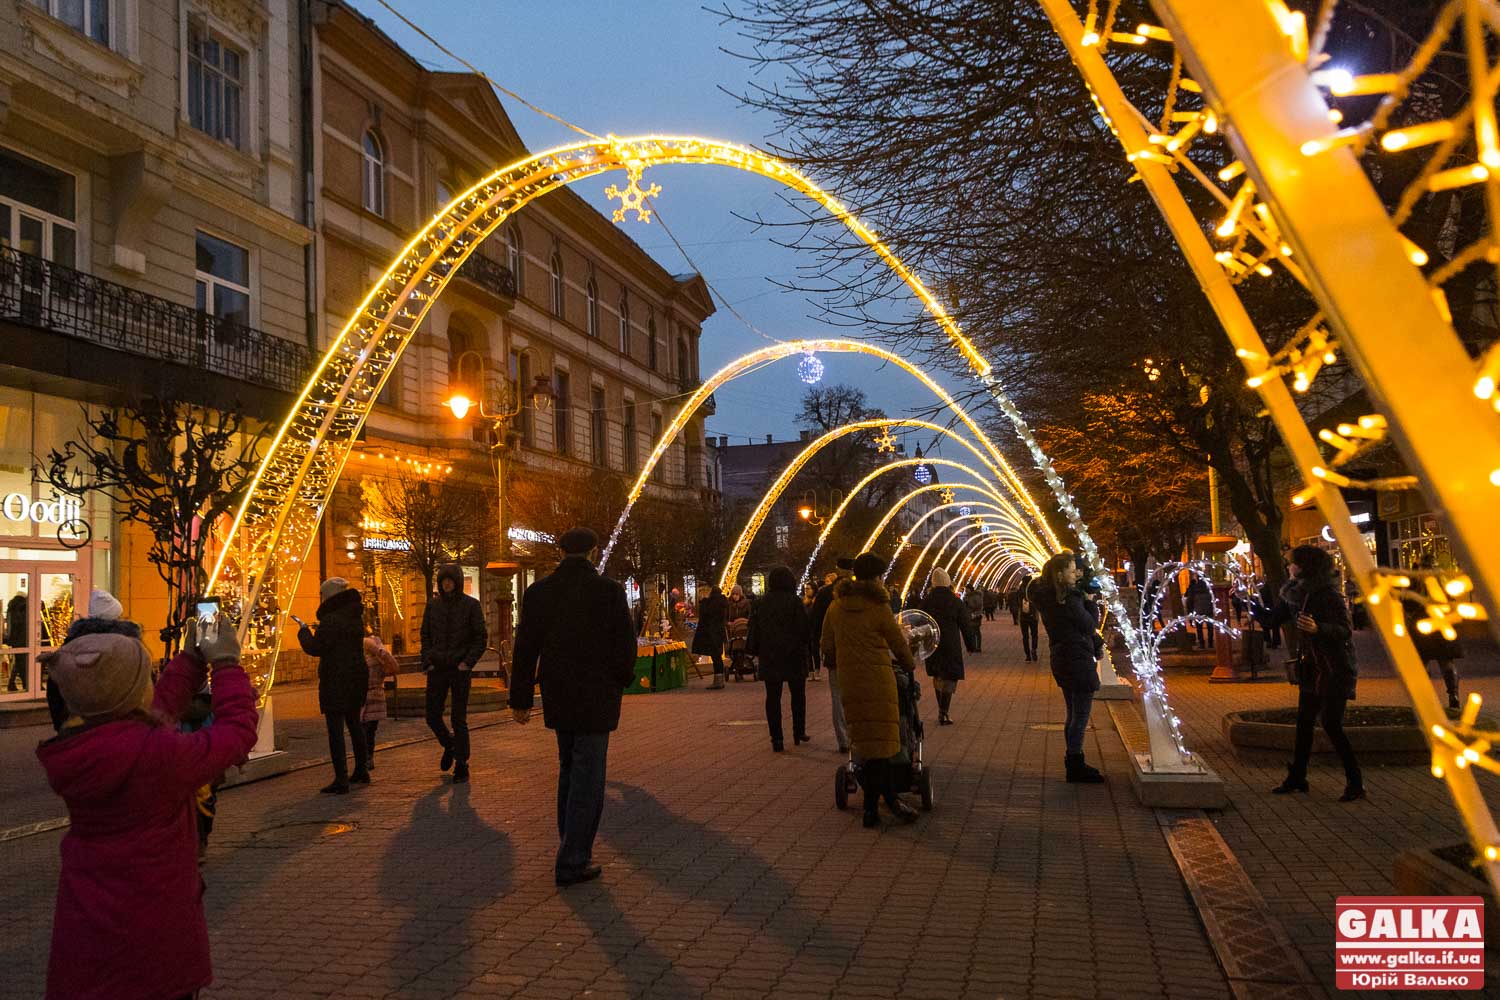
(37, 209)
(223, 279)
(591, 300)
(624, 324)
(557, 283)
(91, 17)
(372, 173)
(515, 255)
(216, 85)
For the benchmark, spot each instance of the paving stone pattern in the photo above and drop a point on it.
(728, 871)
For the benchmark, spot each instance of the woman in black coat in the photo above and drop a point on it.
(713, 622)
(781, 636)
(946, 664)
(343, 677)
(1074, 646)
(1326, 672)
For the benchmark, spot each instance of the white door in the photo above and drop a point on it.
(37, 605)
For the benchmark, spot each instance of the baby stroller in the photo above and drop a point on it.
(741, 663)
(913, 777)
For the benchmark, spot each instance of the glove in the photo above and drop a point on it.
(221, 650)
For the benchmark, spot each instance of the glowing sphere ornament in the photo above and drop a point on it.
(965, 511)
(810, 369)
(922, 632)
(922, 474)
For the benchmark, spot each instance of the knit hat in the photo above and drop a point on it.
(869, 567)
(578, 542)
(331, 586)
(940, 578)
(103, 604)
(844, 562)
(101, 676)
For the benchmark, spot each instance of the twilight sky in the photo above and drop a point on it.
(633, 68)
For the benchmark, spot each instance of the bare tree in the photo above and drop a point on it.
(441, 522)
(174, 469)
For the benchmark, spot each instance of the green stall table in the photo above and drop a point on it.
(660, 667)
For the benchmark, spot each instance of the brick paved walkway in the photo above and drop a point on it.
(728, 872)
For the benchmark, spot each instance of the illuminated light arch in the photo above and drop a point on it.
(952, 550)
(757, 359)
(904, 463)
(917, 525)
(773, 493)
(993, 571)
(964, 522)
(962, 557)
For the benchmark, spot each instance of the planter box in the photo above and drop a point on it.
(1426, 872)
(1246, 732)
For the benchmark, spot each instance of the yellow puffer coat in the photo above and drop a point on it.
(860, 640)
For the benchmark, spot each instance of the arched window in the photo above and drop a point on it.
(557, 283)
(624, 323)
(651, 340)
(515, 255)
(372, 173)
(684, 368)
(591, 299)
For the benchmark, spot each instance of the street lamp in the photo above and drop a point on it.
(506, 409)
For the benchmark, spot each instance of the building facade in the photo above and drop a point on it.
(560, 299)
(154, 243)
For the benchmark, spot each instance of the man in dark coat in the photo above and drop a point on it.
(779, 631)
(946, 664)
(575, 630)
(454, 637)
(821, 602)
(713, 625)
(1027, 617)
(339, 645)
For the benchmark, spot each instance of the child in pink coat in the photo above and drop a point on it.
(380, 663)
(129, 922)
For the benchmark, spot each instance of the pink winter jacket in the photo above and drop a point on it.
(129, 923)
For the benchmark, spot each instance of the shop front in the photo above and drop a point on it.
(54, 546)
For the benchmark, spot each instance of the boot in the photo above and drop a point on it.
(1291, 784)
(1453, 703)
(461, 772)
(361, 775)
(901, 810)
(1079, 772)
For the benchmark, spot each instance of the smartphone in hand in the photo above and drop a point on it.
(208, 618)
(299, 621)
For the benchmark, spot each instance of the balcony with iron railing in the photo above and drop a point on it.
(489, 275)
(45, 296)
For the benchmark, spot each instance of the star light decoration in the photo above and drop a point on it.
(810, 369)
(885, 443)
(947, 496)
(633, 197)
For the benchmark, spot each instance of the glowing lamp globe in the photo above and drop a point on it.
(810, 369)
(965, 511)
(460, 405)
(922, 632)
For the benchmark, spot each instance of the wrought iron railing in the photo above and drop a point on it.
(38, 293)
(489, 275)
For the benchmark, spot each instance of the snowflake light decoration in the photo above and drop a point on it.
(810, 369)
(947, 496)
(633, 197)
(922, 474)
(885, 442)
(965, 510)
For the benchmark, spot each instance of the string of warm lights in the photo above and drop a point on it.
(965, 523)
(773, 493)
(1267, 208)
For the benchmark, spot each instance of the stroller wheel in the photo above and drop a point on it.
(924, 788)
(841, 787)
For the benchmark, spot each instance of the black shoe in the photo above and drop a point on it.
(1079, 771)
(872, 820)
(1352, 793)
(902, 811)
(461, 773)
(587, 875)
(370, 764)
(778, 747)
(1291, 784)
(447, 760)
(843, 749)
(1453, 705)
(799, 740)
(361, 776)
(337, 788)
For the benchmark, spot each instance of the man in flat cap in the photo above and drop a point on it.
(575, 631)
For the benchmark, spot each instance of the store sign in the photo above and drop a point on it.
(61, 509)
(527, 535)
(1355, 518)
(386, 545)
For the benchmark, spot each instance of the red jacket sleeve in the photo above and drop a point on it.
(187, 760)
(175, 688)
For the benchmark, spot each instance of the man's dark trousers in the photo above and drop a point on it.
(580, 797)
(439, 684)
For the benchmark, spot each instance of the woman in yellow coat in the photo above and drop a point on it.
(863, 641)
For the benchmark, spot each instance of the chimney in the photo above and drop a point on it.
(723, 440)
(768, 439)
(807, 435)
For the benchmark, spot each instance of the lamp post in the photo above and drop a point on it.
(507, 407)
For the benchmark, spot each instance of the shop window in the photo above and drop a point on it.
(216, 85)
(1415, 539)
(90, 17)
(372, 173)
(562, 412)
(37, 209)
(223, 280)
(598, 442)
